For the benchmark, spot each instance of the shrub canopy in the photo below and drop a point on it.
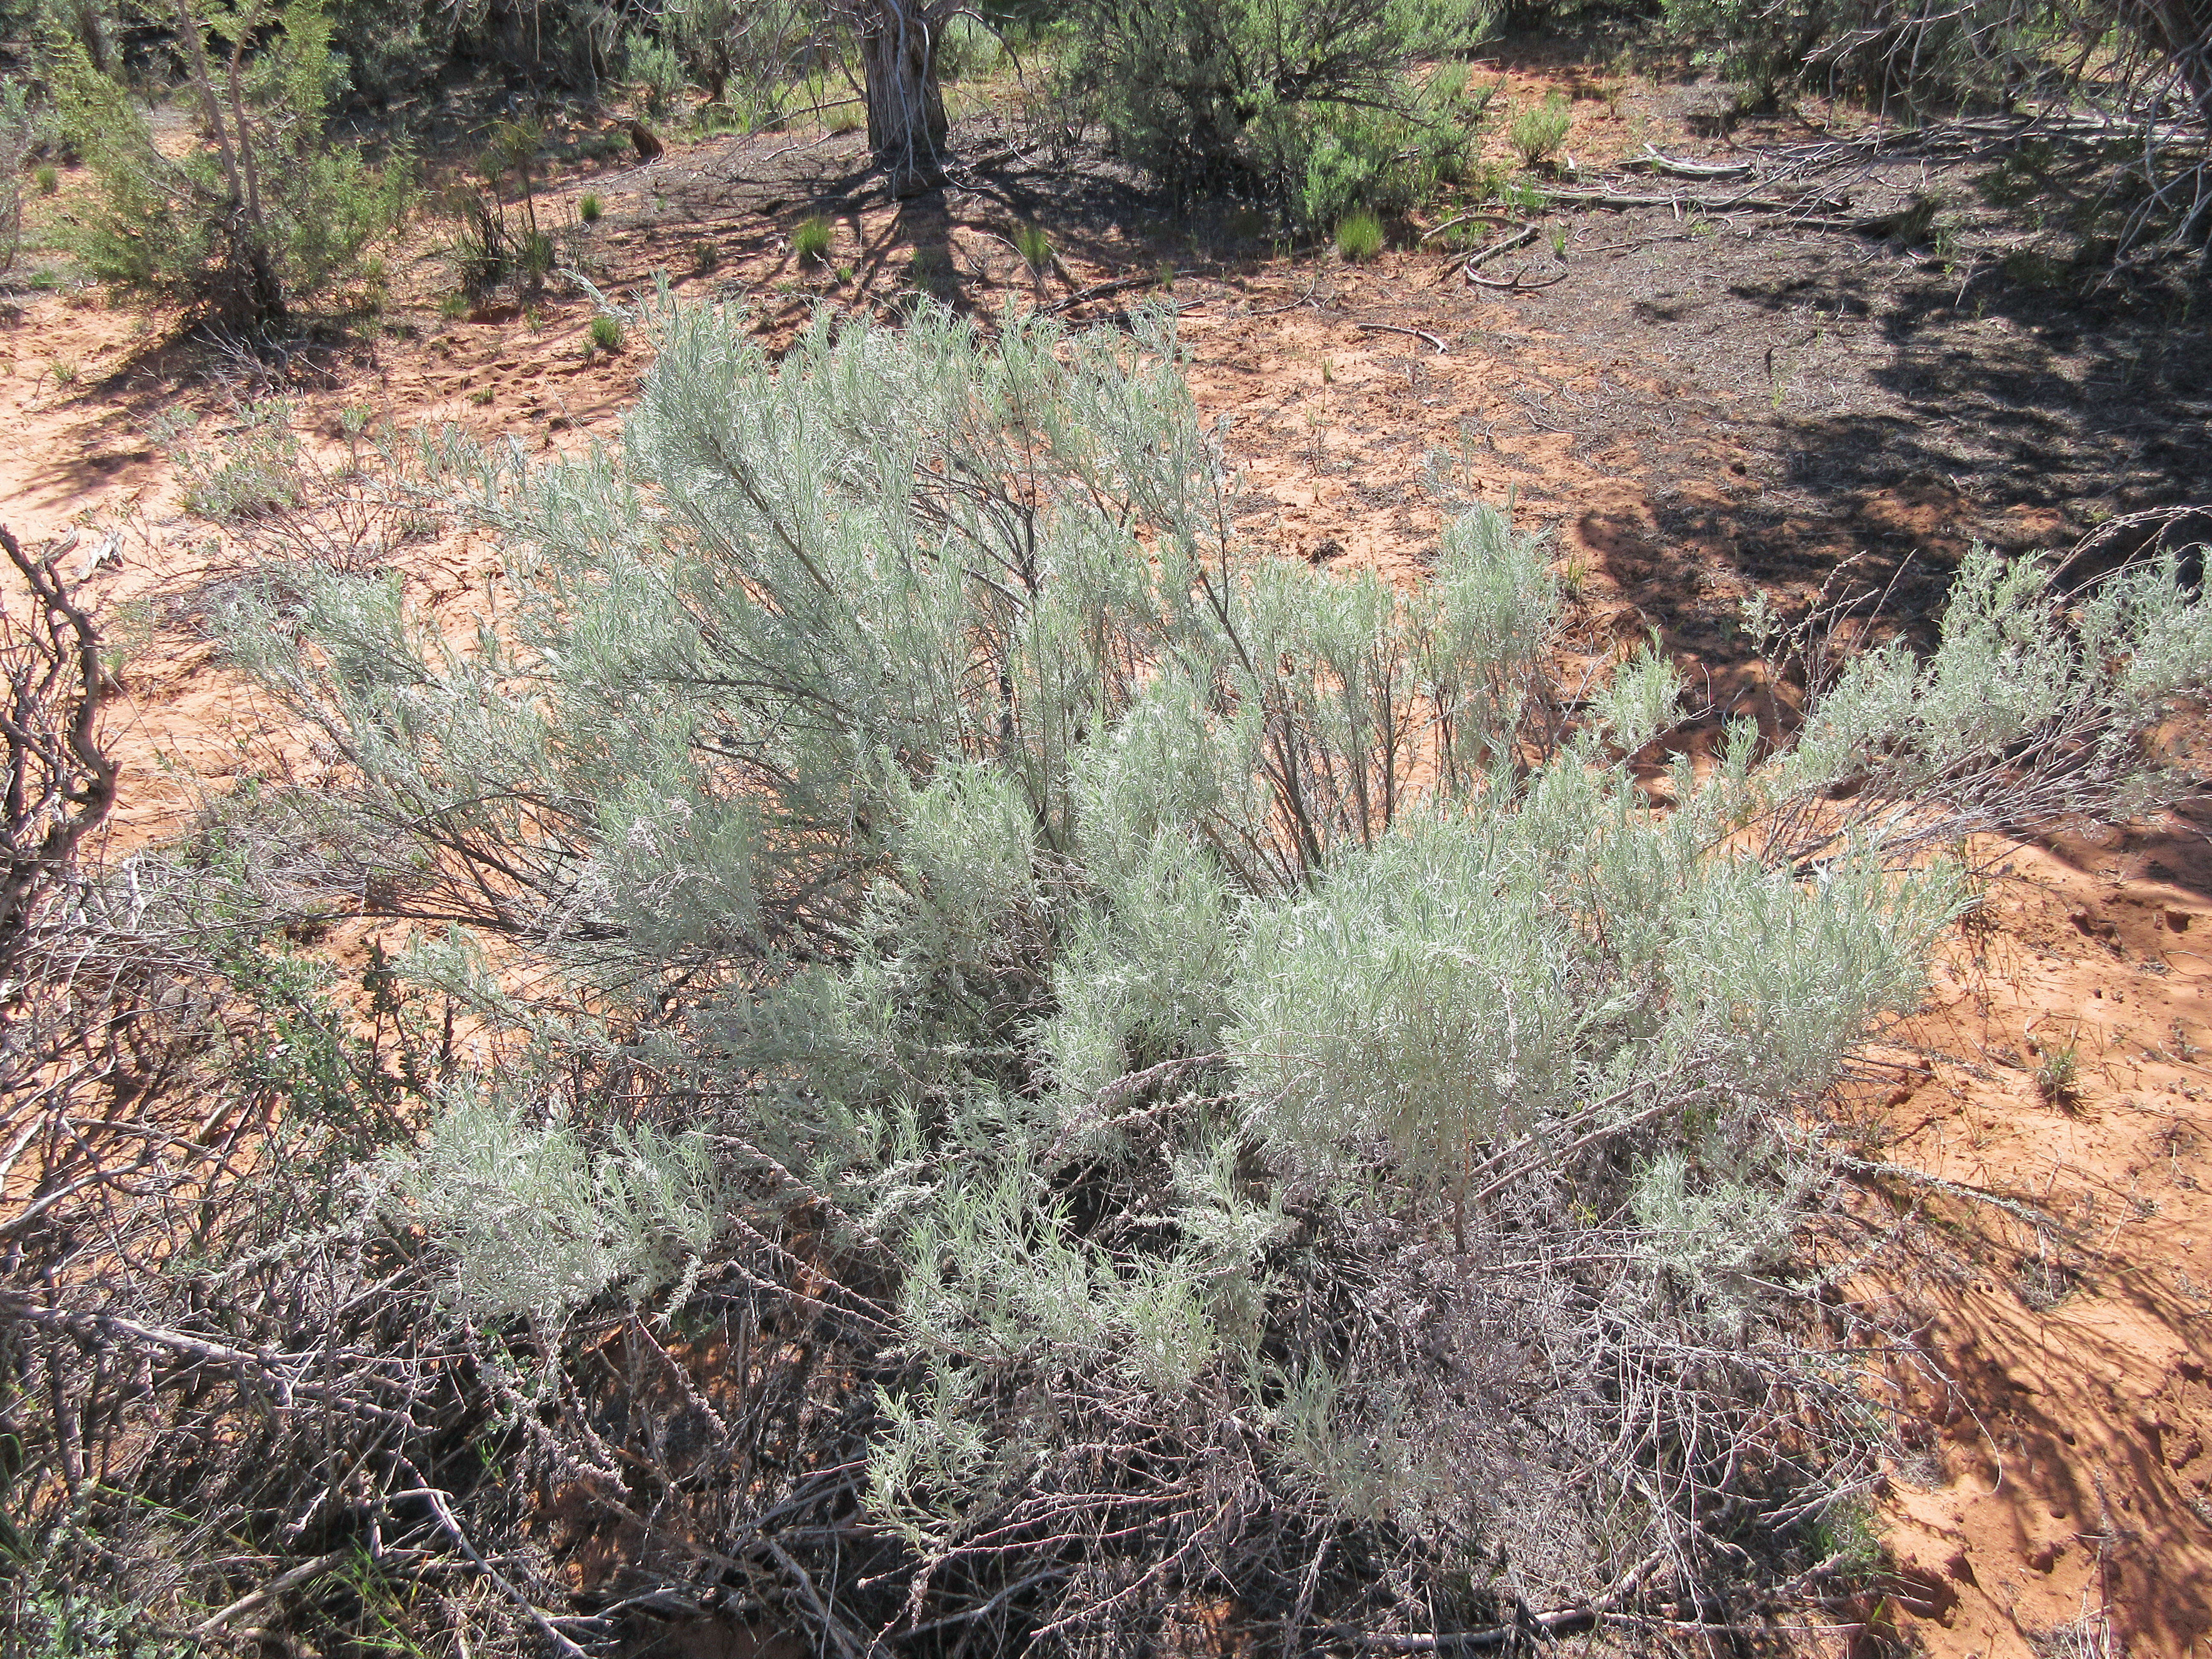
(1269, 1067)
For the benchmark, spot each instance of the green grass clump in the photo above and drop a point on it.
(2059, 1076)
(811, 239)
(49, 180)
(589, 208)
(1359, 236)
(1035, 247)
(1538, 133)
(606, 332)
(534, 256)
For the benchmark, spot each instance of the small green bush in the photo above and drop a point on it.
(589, 208)
(1244, 97)
(1359, 236)
(1391, 160)
(535, 256)
(1912, 60)
(270, 213)
(657, 67)
(15, 141)
(606, 332)
(811, 239)
(1539, 132)
(929, 270)
(49, 180)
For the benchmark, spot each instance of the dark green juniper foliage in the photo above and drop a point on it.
(1274, 1107)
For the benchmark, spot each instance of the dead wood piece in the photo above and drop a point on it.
(1416, 333)
(1683, 204)
(1517, 283)
(1098, 291)
(1682, 167)
(1312, 283)
(1520, 238)
(1482, 214)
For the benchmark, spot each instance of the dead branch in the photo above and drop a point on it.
(61, 784)
(1683, 168)
(1414, 333)
(1520, 238)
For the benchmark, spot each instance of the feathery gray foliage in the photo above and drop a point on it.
(1255, 1074)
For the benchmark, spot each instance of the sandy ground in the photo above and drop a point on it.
(1692, 410)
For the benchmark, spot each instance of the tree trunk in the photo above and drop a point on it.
(906, 111)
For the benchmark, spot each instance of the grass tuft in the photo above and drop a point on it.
(1538, 133)
(810, 241)
(1034, 247)
(2059, 1076)
(1359, 236)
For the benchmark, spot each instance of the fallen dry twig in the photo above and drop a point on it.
(1417, 333)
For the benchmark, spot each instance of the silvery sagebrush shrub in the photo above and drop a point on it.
(1281, 1082)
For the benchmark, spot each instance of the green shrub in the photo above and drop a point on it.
(929, 270)
(1390, 160)
(811, 239)
(1237, 96)
(49, 180)
(708, 35)
(606, 332)
(655, 65)
(589, 208)
(1538, 133)
(267, 214)
(968, 46)
(488, 247)
(1359, 236)
(1124, 962)
(15, 141)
